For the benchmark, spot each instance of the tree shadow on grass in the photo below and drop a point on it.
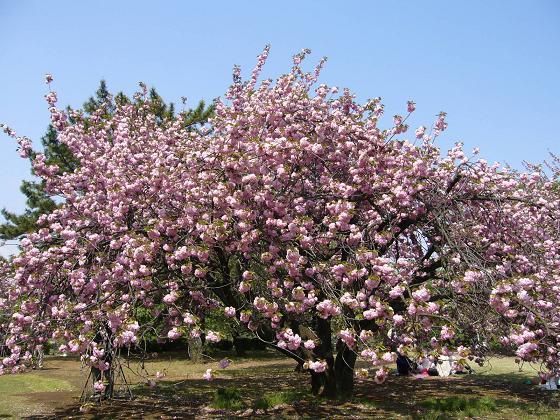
(399, 396)
(404, 395)
(186, 398)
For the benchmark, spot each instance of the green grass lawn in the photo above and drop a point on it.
(267, 385)
(16, 392)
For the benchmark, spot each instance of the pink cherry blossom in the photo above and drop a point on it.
(208, 375)
(296, 207)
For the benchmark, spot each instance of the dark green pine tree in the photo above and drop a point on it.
(38, 202)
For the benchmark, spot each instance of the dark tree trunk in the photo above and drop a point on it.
(108, 375)
(324, 383)
(337, 381)
(344, 371)
(329, 387)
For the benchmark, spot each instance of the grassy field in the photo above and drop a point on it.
(266, 385)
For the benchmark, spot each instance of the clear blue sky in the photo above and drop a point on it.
(492, 66)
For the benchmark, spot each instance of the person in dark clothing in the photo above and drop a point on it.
(405, 366)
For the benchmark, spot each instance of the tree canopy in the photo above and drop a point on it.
(39, 202)
(299, 218)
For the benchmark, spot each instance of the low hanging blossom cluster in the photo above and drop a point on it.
(302, 219)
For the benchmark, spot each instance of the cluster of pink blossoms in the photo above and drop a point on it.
(295, 212)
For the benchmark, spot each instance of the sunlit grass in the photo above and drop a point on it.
(13, 390)
(459, 406)
(274, 399)
(227, 399)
